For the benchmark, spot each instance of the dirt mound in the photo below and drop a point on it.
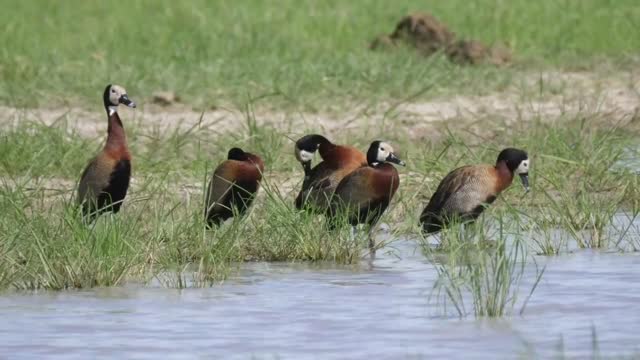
(474, 52)
(424, 32)
(165, 98)
(428, 35)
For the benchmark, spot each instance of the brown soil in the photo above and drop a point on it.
(428, 36)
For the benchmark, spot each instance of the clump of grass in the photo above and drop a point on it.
(625, 231)
(61, 251)
(47, 245)
(580, 192)
(547, 238)
(490, 275)
(34, 149)
(187, 254)
(279, 232)
(587, 217)
(9, 269)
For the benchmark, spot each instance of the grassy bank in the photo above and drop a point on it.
(160, 236)
(301, 52)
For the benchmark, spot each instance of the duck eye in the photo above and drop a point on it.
(113, 91)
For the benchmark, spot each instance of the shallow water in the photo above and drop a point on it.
(308, 312)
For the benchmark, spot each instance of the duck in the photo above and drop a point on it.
(364, 194)
(233, 186)
(105, 180)
(468, 190)
(321, 181)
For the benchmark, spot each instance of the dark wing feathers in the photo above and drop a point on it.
(232, 188)
(320, 183)
(116, 191)
(219, 193)
(318, 187)
(103, 185)
(462, 194)
(354, 196)
(451, 183)
(353, 190)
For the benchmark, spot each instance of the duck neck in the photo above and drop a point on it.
(324, 146)
(384, 166)
(386, 178)
(505, 175)
(116, 137)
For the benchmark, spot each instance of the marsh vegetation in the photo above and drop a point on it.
(260, 75)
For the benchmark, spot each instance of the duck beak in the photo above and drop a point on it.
(525, 181)
(392, 158)
(124, 100)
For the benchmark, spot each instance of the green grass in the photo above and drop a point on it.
(487, 265)
(27, 151)
(45, 243)
(301, 52)
(160, 234)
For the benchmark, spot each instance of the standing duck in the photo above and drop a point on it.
(466, 191)
(105, 181)
(321, 181)
(233, 186)
(364, 194)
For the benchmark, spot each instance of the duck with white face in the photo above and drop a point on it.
(105, 180)
(364, 195)
(523, 172)
(115, 95)
(305, 150)
(467, 191)
(321, 180)
(383, 153)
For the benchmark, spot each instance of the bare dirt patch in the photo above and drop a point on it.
(615, 99)
(566, 95)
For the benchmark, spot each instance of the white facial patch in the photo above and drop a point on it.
(523, 168)
(115, 93)
(384, 150)
(304, 155)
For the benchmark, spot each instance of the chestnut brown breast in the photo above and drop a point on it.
(105, 181)
(366, 193)
(338, 162)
